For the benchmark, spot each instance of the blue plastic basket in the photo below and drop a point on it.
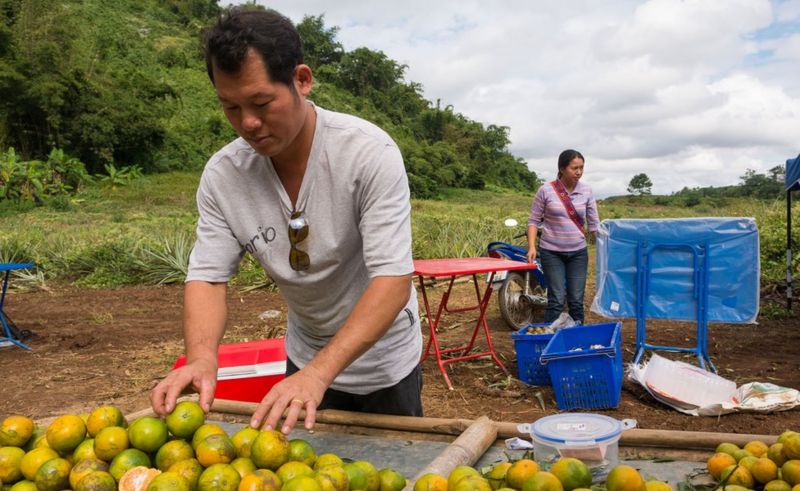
(584, 377)
(529, 347)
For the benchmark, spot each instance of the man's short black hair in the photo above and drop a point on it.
(269, 33)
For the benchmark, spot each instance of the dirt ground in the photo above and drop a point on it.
(95, 347)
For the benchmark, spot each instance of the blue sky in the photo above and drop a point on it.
(691, 92)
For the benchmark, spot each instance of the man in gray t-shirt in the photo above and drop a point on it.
(321, 200)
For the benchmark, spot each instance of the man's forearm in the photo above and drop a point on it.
(204, 317)
(372, 316)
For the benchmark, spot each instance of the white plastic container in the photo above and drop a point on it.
(592, 438)
(689, 384)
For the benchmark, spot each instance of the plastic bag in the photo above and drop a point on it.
(564, 320)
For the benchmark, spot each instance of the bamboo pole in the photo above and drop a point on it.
(633, 437)
(465, 450)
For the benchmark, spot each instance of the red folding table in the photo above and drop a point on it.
(468, 266)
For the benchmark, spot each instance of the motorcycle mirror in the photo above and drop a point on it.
(510, 222)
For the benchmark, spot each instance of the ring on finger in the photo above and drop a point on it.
(302, 402)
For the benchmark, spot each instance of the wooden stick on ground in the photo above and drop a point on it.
(635, 437)
(465, 450)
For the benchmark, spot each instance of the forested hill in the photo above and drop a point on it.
(124, 82)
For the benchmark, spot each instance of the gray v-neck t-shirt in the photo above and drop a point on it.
(356, 200)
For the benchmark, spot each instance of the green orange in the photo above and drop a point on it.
(572, 473)
(147, 434)
(185, 419)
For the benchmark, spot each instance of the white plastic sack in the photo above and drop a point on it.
(692, 390)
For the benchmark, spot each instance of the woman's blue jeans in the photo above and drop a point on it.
(565, 273)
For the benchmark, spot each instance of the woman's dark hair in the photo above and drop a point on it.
(566, 157)
(268, 32)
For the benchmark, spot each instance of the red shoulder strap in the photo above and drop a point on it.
(561, 191)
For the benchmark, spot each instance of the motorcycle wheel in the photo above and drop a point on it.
(516, 308)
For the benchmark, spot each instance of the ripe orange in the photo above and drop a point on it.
(34, 459)
(168, 481)
(185, 419)
(302, 451)
(53, 475)
(757, 448)
(190, 469)
(66, 433)
(520, 471)
(717, 462)
(15, 431)
(243, 439)
(215, 449)
(542, 481)
(270, 450)
(10, 462)
(171, 452)
(333, 478)
(219, 477)
(625, 478)
(572, 473)
(126, 460)
(147, 434)
(430, 482)
(738, 475)
(764, 470)
(103, 417)
(83, 468)
(97, 481)
(497, 475)
(137, 478)
(110, 441)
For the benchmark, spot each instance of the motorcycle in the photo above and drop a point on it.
(522, 295)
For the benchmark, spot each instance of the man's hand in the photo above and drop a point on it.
(531, 255)
(301, 390)
(200, 374)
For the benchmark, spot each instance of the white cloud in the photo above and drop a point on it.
(691, 92)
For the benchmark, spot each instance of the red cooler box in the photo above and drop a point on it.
(247, 370)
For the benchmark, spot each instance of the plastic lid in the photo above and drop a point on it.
(577, 428)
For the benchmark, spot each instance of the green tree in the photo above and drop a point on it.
(640, 185)
(320, 46)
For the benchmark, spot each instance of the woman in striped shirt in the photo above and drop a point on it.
(562, 209)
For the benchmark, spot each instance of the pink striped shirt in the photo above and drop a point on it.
(557, 231)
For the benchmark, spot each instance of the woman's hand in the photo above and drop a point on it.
(531, 255)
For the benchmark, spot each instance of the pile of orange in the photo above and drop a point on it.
(100, 451)
(757, 465)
